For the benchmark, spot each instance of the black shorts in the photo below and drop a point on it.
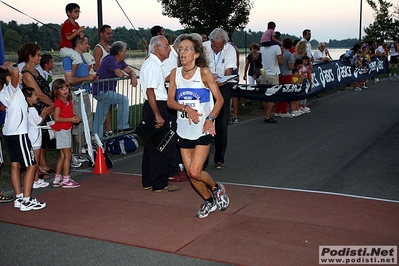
(190, 144)
(20, 150)
(394, 59)
(47, 143)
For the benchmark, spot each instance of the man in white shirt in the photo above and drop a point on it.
(319, 54)
(222, 60)
(272, 58)
(155, 164)
(306, 36)
(380, 51)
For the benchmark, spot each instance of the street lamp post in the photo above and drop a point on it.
(99, 15)
(360, 23)
(245, 55)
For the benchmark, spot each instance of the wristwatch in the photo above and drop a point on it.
(210, 117)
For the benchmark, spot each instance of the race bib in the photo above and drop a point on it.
(194, 104)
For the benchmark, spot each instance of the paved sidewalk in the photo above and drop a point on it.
(287, 182)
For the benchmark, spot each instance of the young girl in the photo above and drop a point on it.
(358, 64)
(34, 132)
(15, 132)
(64, 119)
(304, 72)
(297, 79)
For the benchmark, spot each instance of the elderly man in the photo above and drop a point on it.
(112, 66)
(222, 60)
(320, 54)
(155, 163)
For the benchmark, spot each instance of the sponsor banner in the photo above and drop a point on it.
(372, 255)
(325, 76)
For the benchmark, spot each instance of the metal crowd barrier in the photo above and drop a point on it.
(122, 86)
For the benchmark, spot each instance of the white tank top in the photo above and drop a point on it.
(192, 92)
(105, 53)
(392, 51)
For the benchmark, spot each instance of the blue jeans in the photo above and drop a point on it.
(104, 100)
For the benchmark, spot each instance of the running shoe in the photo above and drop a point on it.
(206, 208)
(222, 200)
(18, 202)
(75, 162)
(40, 183)
(108, 134)
(286, 115)
(305, 110)
(57, 183)
(219, 165)
(269, 121)
(168, 188)
(70, 184)
(32, 204)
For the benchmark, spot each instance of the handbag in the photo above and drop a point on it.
(122, 144)
(256, 71)
(51, 133)
(158, 137)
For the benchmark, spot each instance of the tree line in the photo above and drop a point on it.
(48, 36)
(232, 14)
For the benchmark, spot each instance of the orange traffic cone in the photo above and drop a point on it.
(100, 167)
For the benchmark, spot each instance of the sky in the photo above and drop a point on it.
(332, 19)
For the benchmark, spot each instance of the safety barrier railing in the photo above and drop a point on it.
(122, 88)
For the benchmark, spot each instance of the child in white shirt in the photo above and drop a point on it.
(15, 132)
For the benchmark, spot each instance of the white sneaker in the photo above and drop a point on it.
(40, 183)
(18, 203)
(75, 162)
(376, 80)
(36, 184)
(32, 204)
(82, 159)
(286, 115)
(297, 113)
(277, 114)
(304, 110)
